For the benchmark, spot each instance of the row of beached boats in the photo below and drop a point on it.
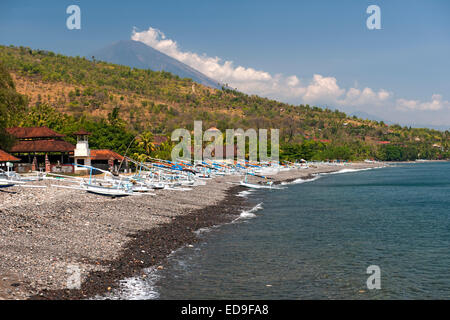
(10, 178)
(155, 174)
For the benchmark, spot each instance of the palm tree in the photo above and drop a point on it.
(140, 157)
(145, 141)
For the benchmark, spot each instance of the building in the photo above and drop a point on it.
(108, 160)
(103, 158)
(82, 153)
(5, 158)
(40, 148)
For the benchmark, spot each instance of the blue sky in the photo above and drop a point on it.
(324, 44)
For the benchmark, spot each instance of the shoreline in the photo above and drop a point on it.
(420, 161)
(149, 248)
(111, 239)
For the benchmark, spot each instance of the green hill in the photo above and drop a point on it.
(116, 103)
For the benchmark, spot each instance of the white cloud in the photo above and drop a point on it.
(212, 67)
(322, 89)
(383, 95)
(435, 104)
(319, 90)
(355, 97)
(293, 81)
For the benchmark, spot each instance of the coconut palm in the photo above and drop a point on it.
(145, 141)
(140, 157)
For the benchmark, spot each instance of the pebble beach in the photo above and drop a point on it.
(46, 230)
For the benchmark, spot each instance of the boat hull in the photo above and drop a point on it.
(6, 184)
(158, 186)
(107, 191)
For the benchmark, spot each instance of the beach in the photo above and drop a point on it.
(46, 230)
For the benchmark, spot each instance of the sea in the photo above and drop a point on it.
(382, 233)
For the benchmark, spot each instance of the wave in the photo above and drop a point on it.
(250, 213)
(244, 194)
(144, 288)
(350, 170)
(136, 288)
(301, 180)
(205, 230)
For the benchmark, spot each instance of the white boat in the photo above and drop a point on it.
(256, 185)
(141, 188)
(9, 179)
(4, 183)
(158, 185)
(110, 186)
(112, 191)
(261, 185)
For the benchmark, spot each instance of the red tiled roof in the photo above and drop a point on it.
(158, 140)
(81, 133)
(383, 142)
(4, 157)
(105, 154)
(26, 146)
(34, 132)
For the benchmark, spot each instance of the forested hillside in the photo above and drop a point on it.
(117, 103)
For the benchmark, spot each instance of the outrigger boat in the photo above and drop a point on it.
(5, 183)
(172, 176)
(245, 183)
(109, 186)
(112, 191)
(9, 179)
(256, 186)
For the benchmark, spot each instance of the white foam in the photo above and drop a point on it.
(136, 288)
(350, 170)
(250, 213)
(204, 230)
(300, 180)
(244, 194)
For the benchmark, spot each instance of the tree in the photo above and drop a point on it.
(44, 115)
(12, 105)
(165, 150)
(390, 153)
(145, 141)
(103, 88)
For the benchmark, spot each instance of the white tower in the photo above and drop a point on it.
(82, 153)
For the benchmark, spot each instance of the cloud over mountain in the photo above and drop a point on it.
(435, 104)
(320, 90)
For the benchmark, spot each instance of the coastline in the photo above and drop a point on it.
(109, 239)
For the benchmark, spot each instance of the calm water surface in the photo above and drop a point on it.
(315, 240)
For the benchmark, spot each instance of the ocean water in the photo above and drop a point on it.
(316, 239)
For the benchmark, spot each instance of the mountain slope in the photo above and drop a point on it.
(136, 54)
(146, 100)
